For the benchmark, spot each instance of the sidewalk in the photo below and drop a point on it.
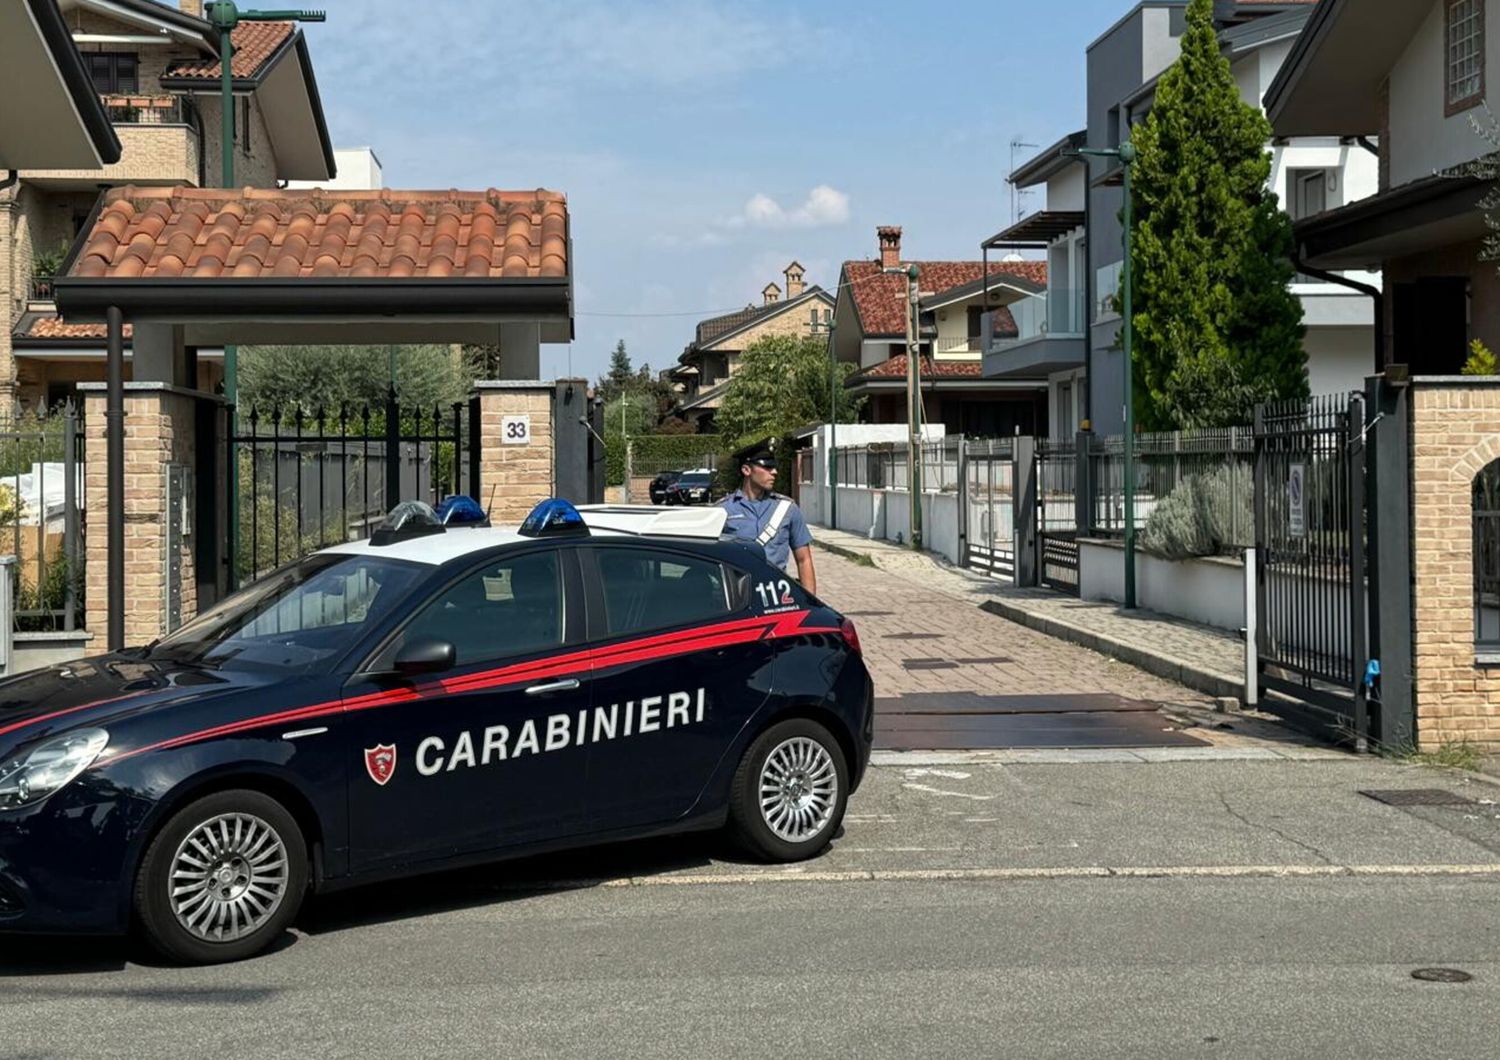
(1203, 659)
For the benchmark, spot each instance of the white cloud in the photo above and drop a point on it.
(824, 207)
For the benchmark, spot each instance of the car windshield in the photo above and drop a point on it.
(693, 479)
(295, 619)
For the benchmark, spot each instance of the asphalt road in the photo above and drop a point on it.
(1196, 909)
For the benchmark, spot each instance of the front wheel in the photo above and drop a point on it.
(789, 792)
(223, 879)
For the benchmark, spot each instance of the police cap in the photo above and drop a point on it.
(761, 454)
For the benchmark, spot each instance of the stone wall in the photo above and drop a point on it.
(159, 430)
(513, 478)
(1455, 431)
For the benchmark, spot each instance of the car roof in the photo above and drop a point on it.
(698, 526)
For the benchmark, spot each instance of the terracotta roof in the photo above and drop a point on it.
(880, 299)
(895, 368)
(213, 232)
(710, 329)
(254, 43)
(52, 327)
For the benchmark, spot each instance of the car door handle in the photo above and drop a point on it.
(566, 685)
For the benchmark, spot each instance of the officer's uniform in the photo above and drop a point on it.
(774, 521)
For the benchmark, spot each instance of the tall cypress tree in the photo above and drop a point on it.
(1216, 327)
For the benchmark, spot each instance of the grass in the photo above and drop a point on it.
(1451, 754)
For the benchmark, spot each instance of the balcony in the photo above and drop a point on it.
(1048, 337)
(160, 143)
(963, 344)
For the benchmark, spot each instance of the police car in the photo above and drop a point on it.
(428, 698)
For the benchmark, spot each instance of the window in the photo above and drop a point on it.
(1464, 66)
(511, 606)
(113, 73)
(1486, 505)
(645, 590)
(297, 619)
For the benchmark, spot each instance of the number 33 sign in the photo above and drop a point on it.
(515, 430)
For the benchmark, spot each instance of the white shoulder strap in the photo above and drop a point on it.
(778, 516)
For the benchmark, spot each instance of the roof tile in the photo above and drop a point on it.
(881, 297)
(254, 43)
(895, 368)
(210, 232)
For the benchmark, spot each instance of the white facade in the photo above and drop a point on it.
(1425, 140)
(358, 169)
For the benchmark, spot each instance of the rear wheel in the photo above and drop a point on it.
(789, 791)
(223, 879)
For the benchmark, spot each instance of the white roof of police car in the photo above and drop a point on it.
(458, 541)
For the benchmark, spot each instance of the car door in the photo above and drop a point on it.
(482, 755)
(676, 676)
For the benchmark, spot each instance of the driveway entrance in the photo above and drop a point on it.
(949, 676)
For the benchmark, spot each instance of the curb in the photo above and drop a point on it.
(847, 553)
(1208, 682)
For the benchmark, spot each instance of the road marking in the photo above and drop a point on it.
(1010, 874)
(946, 774)
(940, 791)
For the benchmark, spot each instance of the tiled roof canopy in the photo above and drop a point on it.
(254, 43)
(881, 298)
(895, 368)
(215, 233)
(52, 327)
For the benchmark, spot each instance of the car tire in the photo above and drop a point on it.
(788, 795)
(248, 891)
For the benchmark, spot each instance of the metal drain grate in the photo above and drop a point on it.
(1419, 797)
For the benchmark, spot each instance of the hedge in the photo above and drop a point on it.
(658, 451)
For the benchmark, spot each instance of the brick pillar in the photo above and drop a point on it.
(159, 432)
(515, 475)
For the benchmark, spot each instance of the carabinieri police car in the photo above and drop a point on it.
(428, 698)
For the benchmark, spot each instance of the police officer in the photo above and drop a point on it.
(760, 514)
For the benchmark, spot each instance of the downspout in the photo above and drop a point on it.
(1088, 302)
(10, 180)
(1375, 294)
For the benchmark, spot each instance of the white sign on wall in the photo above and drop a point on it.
(515, 430)
(1296, 500)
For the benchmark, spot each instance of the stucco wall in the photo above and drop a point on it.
(1425, 139)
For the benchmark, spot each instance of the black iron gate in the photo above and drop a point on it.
(308, 480)
(1057, 514)
(1310, 533)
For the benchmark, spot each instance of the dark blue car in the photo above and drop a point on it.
(422, 700)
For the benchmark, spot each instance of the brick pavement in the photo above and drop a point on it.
(931, 603)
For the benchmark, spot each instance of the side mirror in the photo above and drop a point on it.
(425, 657)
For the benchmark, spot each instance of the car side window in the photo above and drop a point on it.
(511, 606)
(645, 589)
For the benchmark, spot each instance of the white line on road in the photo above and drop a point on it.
(1012, 874)
(940, 791)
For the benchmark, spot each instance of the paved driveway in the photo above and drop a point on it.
(950, 675)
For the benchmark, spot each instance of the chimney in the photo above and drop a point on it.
(191, 7)
(793, 274)
(772, 293)
(890, 245)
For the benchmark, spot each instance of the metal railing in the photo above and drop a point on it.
(885, 465)
(41, 517)
(148, 110)
(40, 289)
(1165, 461)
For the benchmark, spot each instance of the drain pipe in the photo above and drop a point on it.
(1375, 293)
(12, 175)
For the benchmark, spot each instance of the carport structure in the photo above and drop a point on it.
(187, 267)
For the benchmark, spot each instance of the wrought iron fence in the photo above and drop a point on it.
(311, 480)
(41, 517)
(1222, 462)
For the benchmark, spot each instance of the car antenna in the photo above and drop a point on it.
(491, 502)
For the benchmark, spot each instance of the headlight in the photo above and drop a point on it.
(32, 776)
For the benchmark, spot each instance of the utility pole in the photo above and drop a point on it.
(914, 405)
(833, 425)
(225, 16)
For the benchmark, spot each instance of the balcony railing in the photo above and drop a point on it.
(41, 289)
(148, 110)
(1057, 312)
(962, 344)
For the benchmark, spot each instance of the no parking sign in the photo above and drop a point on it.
(1296, 500)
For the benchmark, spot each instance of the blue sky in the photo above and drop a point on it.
(703, 145)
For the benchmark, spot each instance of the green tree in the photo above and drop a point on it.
(620, 377)
(313, 377)
(781, 385)
(1217, 328)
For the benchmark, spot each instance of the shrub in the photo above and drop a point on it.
(1200, 516)
(1481, 360)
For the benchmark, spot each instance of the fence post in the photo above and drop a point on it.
(70, 515)
(1024, 509)
(1388, 505)
(1252, 660)
(629, 466)
(1258, 487)
(392, 451)
(963, 501)
(1083, 491)
(1354, 455)
(7, 613)
(474, 443)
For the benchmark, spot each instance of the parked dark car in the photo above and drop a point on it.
(661, 483)
(692, 487)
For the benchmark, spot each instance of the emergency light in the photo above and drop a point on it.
(553, 516)
(407, 520)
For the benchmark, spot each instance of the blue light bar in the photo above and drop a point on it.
(553, 516)
(459, 510)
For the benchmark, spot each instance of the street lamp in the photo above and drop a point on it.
(225, 16)
(1126, 154)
